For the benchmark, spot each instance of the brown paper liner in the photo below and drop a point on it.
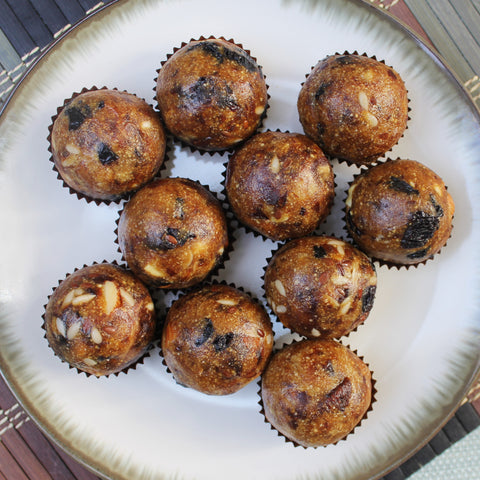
(129, 367)
(379, 261)
(373, 162)
(194, 148)
(220, 264)
(295, 339)
(72, 191)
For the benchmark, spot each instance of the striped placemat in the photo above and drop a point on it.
(27, 27)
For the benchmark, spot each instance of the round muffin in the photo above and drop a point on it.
(211, 94)
(399, 212)
(216, 340)
(172, 233)
(106, 143)
(280, 184)
(100, 319)
(320, 286)
(315, 392)
(354, 107)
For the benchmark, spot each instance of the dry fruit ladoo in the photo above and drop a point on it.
(100, 319)
(354, 107)
(107, 143)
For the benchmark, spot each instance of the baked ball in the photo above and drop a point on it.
(216, 340)
(280, 184)
(354, 107)
(315, 392)
(400, 212)
(320, 286)
(172, 233)
(106, 143)
(211, 94)
(100, 319)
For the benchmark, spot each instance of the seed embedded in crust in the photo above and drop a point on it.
(73, 330)
(371, 119)
(227, 301)
(275, 164)
(61, 327)
(68, 299)
(150, 306)
(315, 332)
(127, 297)
(96, 336)
(110, 293)
(280, 288)
(363, 100)
(281, 309)
(153, 270)
(82, 299)
(89, 362)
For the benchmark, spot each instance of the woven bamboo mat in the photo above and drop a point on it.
(27, 27)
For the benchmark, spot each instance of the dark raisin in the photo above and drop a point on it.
(319, 251)
(168, 239)
(367, 298)
(401, 185)
(392, 74)
(338, 398)
(302, 211)
(438, 208)
(178, 211)
(418, 254)
(346, 60)
(105, 154)
(328, 367)
(207, 332)
(420, 229)
(77, 115)
(101, 104)
(222, 342)
(352, 227)
(241, 59)
(221, 54)
(322, 89)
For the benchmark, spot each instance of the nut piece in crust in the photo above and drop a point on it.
(211, 94)
(106, 143)
(354, 107)
(280, 184)
(315, 392)
(399, 212)
(216, 340)
(320, 286)
(172, 233)
(100, 319)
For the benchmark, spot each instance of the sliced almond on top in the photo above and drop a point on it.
(127, 297)
(110, 293)
(81, 299)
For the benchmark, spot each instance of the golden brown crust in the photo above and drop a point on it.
(106, 143)
(316, 391)
(211, 94)
(280, 184)
(172, 233)
(354, 107)
(216, 340)
(399, 212)
(100, 319)
(320, 286)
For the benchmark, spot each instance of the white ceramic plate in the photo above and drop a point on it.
(423, 335)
